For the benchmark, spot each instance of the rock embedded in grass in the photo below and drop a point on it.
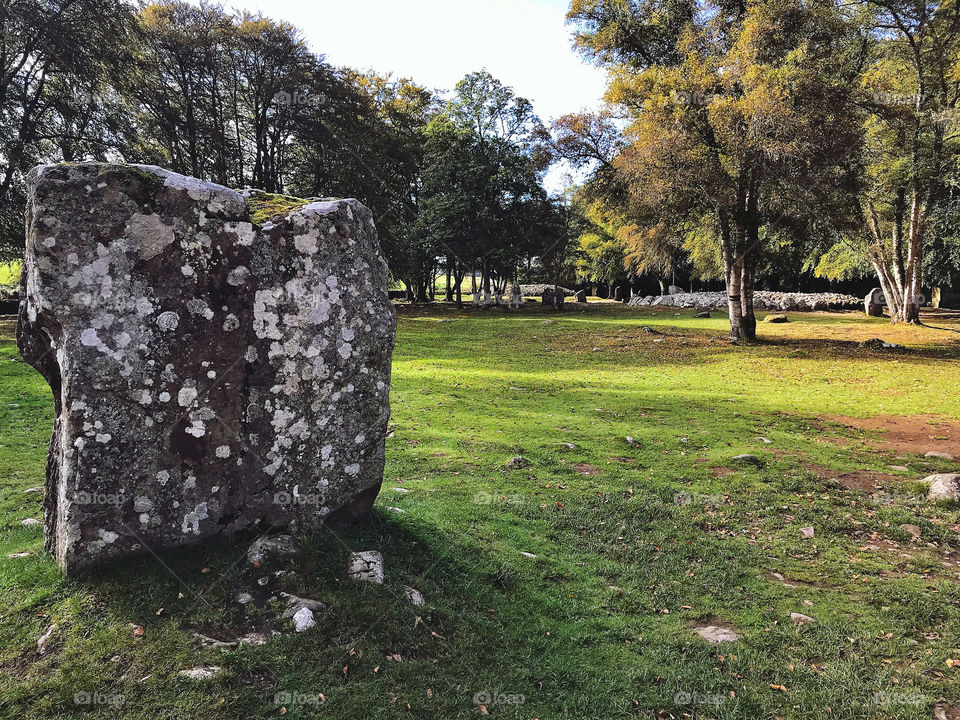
(273, 548)
(747, 459)
(30, 522)
(943, 486)
(303, 619)
(938, 454)
(414, 596)
(776, 319)
(212, 375)
(913, 530)
(717, 634)
(209, 672)
(518, 463)
(365, 566)
(801, 619)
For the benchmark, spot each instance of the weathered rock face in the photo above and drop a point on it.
(210, 376)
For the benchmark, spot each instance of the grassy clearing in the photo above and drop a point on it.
(634, 544)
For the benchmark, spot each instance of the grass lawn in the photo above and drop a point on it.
(569, 588)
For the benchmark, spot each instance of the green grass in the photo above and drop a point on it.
(598, 624)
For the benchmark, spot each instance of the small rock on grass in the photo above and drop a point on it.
(366, 567)
(17, 555)
(415, 597)
(31, 491)
(395, 510)
(30, 522)
(914, 530)
(808, 532)
(209, 672)
(303, 619)
(943, 486)
(631, 441)
(518, 462)
(44, 639)
(295, 604)
(748, 459)
(801, 619)
(938, 454)
(265, 549)
(717, 634)
(776, 318)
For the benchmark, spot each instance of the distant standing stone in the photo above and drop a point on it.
(874, 303)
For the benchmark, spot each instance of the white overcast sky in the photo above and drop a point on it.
(524, 43)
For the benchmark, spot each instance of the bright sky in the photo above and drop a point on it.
(523, 43)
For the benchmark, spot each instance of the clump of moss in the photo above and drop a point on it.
(265, 207)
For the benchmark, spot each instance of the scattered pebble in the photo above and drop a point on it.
(303, 619)
(265, 549)
(366, 567)
(415, 596)
(808, 532)
(45, 638)
(716, 634)
(202, 673)
(912, 529)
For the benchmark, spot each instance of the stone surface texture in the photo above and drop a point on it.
(210, 376)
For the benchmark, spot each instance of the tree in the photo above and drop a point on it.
(740, 112)
(55, 59)
(913, 141)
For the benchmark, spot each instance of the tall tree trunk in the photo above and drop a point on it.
(733, 276)
(449, 291)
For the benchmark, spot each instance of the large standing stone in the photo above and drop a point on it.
(210, 375)
(874, 303)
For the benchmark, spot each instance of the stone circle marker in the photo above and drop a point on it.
(210, 375)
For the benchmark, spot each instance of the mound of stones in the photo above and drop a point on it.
(210, 376)
(763, 300)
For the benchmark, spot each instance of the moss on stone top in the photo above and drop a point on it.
(265, 207)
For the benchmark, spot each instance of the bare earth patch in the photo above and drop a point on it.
(865, 480)
(586, 469)
(719, 472)
(916, 434)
